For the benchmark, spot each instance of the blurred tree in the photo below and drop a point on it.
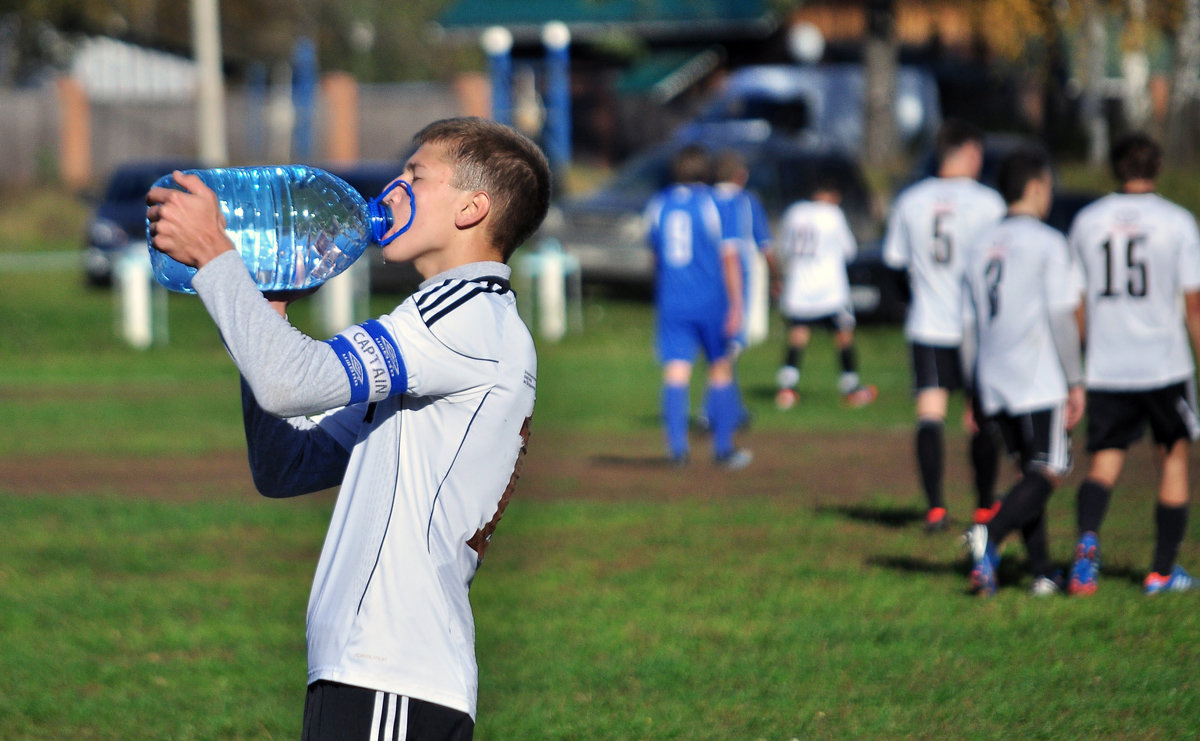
(1183, 119)
(880, 60)
(375, 40)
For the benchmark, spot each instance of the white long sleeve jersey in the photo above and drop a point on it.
(931, 226)
(1018, 278)
(437, 397)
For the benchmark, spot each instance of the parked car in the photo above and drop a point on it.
(819, 104)
(604, 229)
(118, 219)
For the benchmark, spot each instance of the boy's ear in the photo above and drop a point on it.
(474, 210)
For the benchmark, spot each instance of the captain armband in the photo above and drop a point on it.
(372, 362)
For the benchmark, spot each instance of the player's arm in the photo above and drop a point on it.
(731, 268)
(968, 350)
(187, 225)
(1191, 303)
(290, 373)
(1064, 329)
(290, 457)
(895, 241)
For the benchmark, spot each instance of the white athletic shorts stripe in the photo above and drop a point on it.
(1187, 410)
(389, 718)
(1060, 444)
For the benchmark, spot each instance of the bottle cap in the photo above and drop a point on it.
(382, 218)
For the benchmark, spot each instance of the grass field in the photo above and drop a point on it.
(779, 605)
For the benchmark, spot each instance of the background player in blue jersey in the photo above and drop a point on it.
(698, 300)
(426, 459)
(745, 220)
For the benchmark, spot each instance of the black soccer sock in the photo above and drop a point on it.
(1023, 504)
(849, 359)
(1170, 524)
(1037, 547)
(793, 357)
(929, 460)
(1091, 505)
(985, 460)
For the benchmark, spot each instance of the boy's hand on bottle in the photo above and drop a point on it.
(187, 225)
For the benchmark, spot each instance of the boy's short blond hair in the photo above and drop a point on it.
(503, 162)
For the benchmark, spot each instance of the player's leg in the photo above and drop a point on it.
(1173, 421)
(722, 400)
(935, 374)
(788, 375)
(1170, 512)
(676, 342)
(677, 375)
(722, 405)
(1041, 443)
(850, 386)
(985, 451)
(930, 446)
(1115, 421)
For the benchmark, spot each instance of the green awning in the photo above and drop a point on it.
(666, 74)
(649, 19)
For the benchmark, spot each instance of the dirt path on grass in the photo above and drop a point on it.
(829, 469)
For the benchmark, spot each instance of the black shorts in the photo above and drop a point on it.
(838, 321)
(340, 712)
(935, 367)
(1117, 419)
(1037, 438)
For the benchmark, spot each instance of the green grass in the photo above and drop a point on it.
(761, 617)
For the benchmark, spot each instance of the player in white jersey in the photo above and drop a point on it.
(816, 245)
(426, 416)
(1022, 359)
(931, 225)
(1141, 257)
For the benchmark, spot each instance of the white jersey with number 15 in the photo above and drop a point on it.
(1139, 253)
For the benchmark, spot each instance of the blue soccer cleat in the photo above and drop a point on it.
(985, 561)
(1086, 568)
(1178, 581)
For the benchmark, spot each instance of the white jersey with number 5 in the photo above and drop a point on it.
(1018, 277)
(816, 244)
(931, 226)
(1139, 254)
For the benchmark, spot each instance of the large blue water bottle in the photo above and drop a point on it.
(295, 226)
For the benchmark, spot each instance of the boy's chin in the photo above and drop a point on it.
(400, 251)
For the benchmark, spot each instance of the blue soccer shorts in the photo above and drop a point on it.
(679, 338)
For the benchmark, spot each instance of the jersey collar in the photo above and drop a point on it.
(472, 271)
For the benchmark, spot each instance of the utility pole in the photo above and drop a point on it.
(210, 98)
(879, 62)
(1181, 114)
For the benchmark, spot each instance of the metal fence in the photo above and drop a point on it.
(30, 121)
